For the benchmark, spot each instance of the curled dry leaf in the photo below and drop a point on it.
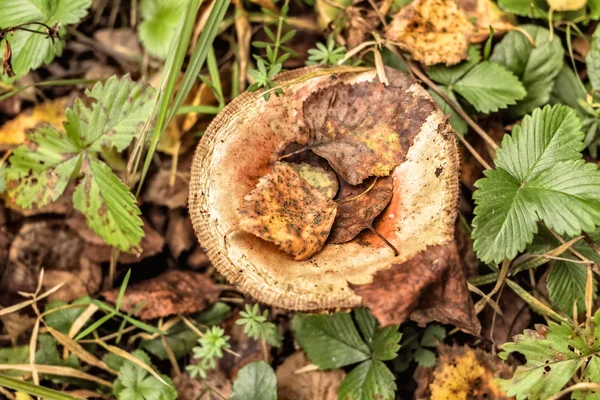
(286, 210)
(173, 292)
(325, 181)
(239, 148)
(358, 214)
(364, 129)
(466, 373)
(432, 31)
(322, 385)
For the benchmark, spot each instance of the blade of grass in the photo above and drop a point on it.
(199, 109)
(122, 290)
(56, 370)
(59, 82)
(124, 322)
(34, 390)
(26, 303)
(94, 326)
(132, 321)
(535, 304)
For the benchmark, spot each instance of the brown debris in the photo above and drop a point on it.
(322, 385)
(484, 13)
(356, 215)
(173, 292)
(189, 388)
(433, 31)
(515, 317)
(429, 287)
(365, 129)
(286, 210)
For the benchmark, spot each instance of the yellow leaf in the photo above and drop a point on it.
(22, 396)
(433, 31)
(52, 112)
(566, 5)
(464, 373)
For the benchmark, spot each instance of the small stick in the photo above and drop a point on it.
(380, 236)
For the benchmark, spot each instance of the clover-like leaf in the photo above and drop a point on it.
(160, 20)
(370, 380)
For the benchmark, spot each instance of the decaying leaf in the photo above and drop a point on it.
(429, 287)
(51, 112)
(356, 215)
(484, 13)
(7, 60)
(325, 181)
(364, 129)
(433, 31)
(173, 292)
(286, 210)
(322, 385)
(464, 373)
(566, 5)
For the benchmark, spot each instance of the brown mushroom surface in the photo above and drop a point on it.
(246, 139)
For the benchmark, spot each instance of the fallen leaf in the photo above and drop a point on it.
(173, 292)
(429, 287)
(484, 13)
(360, 26)
(364, 129)
(515, 317)
(433, 31)
(286, 210)
(7, 60)
(321, 385)
(15, 324)
(180, 236)
(51, 112)
(357, 215)
(189, 388)
(464, 373)
(123, 41)
(325, 181)
(566, 5)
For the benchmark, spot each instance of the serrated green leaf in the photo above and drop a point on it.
(385, 344)
(367, 323)
(449, 75)
(117, 116)
(31, 50)
(538, 177)
(536, 67)
(524, 8)
(458, 124)
(110, 208)
(370, 380)
(136, 383)
(160, 20)
(591, 374)
(554, 354)
(256, 381)
(592, 60)
(62, 320)
(40, 170)
(566, 285)
(433, 332)
(14, 355)
(330, 341)
(489, 87)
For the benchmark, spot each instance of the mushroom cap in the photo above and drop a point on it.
(242, 144)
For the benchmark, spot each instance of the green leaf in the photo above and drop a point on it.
(109, 206)
(433, 332)
(136, 383)
(591, 374)
(256, 381)
(489, 87)
(424, 357)
(369, 380)
(33, 389)
(592, 60)
(117, 116)
(524, 8)
(538, 176)
(567, 90)
(449, 75)
(367, 323)
(385, 344)
(160, 19)
(62, 320)
(40, 170)
(2, 178)
(31, 50)
(536, 67)
(594, 9)
(14, 355)
(330, 341)
(566, 285)
(181, 338)
(459, 124)
(47, 354)
(554, 354)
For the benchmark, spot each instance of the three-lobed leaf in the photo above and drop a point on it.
(369, 380)
(538, 176)
(136, 383)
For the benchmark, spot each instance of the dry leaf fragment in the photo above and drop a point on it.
(433, 31)
(325, 181)
(365, 129)
(463, 373)
(286, 210)
(356, 215)
(484, 13)
(51, 112)
(173, 292)
(7, 60)
(321, 385)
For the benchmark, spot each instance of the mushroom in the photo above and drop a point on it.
(242, 145)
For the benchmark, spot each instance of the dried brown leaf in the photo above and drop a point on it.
(288, 211)
(429, 287)
(322, 385)
(173, 292)
(356, 215)
(365, 129)
(484, 13)
(325, 181)
(7, 60)
(433, 31)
